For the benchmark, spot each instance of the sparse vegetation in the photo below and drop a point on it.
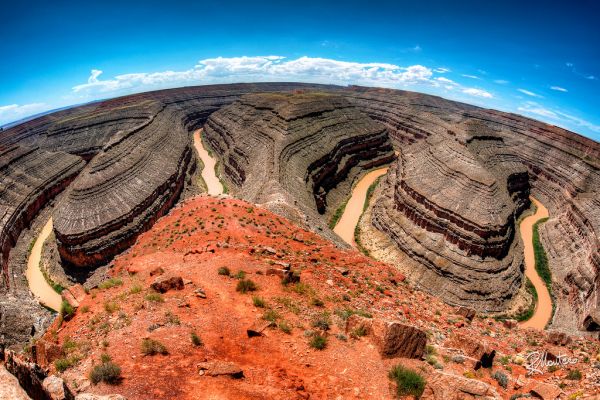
(224, 271)
(285, 327)
(408, 382)
(135, 289)
(110, 283)
(318, 342)
(359, 331)
(196, 340)
(338, 214)
(108, 372)
(271, 316)
(258, 302)
(574, 375)
(151, 347)
(111, 306)
(321, 321)
(245, 286)
(528, 313)
(66, 309)
(62, 364)
(155, 297)
(501, 378)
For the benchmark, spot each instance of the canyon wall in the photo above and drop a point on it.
(450, 202)
(297, 154)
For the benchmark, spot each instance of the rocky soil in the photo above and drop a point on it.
(184, 278)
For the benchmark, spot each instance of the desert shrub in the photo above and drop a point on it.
(66, 309)
(240, 274)
(574, 375)
(271, 316)
(110, 307)
(408, 382)
(105, 358)
(224, 271)
(110, 283)
(285, 327)
(318, 342)
(171, 318)
(196, 340)
(155, 297)
(135, 289)
(85, 309)
(501, 378)
(108, 372)
(359, 331)
(258, 302)
(62, 364)
(151, 347)
(245, 286)
(317, 302)
(321, 322)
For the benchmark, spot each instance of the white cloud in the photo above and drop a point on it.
(446, 81)
(263, 68)
(14, 112)
(569, 64)
(557, 117)
(441, 70)
(591, 77)
(478, 93)
(529, 93)
(501, 81)
(471, 76)
(558, 88)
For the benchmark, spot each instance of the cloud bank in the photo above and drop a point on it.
(15, 112)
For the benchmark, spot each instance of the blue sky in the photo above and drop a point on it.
(539, 59)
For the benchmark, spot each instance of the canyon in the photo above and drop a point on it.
(446, 214)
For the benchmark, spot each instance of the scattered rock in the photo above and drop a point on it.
(342, 270)
(164, 284)
(90, 396)
(200, 293)
(54, 387)
(394, 339)
(466, 312)
(219, 368)
(74, 295)
(510, 323)
(10, 388)
(258, 327)
(545, 391)
(445, 386)
(558, 338)
(486, 360)
(157, 271)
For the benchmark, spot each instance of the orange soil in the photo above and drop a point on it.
(204, 234)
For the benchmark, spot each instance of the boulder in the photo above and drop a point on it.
(220, 368)
(10, 388)
(510, 323)
(558, 338)
(355, 322)
(46, 352)
(445, 386)
(90, 396)
(545, 391)
(395, 339)
(54, 387)
(470, 346)
(74, 295)
(258, 327)
(164, 284)
(466, 312)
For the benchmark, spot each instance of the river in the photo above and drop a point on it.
(543, 308)
(37, 283)
(354, 208)
(208, 172)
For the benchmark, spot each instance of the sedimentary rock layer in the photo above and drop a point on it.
(296, 153)
(450, 201)
(562, 170)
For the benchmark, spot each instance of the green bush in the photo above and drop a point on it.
(108, 372)
(285, 327)
(62, 364)
(318, 342)
(66, 309)
(408, 381)
(224, 271)
(110, 283)
(105, 358)
(321, 322)
(156, 297)
(258, 302)
(245, 286)
(151, 347)
(501, 378)
(196, 341)
(574, 375)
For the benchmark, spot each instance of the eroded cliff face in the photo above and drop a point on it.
(450, 201)
(297, 153)
(558, 167)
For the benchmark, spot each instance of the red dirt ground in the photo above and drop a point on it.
(202, 235)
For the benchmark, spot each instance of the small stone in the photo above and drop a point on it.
(200, 293)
